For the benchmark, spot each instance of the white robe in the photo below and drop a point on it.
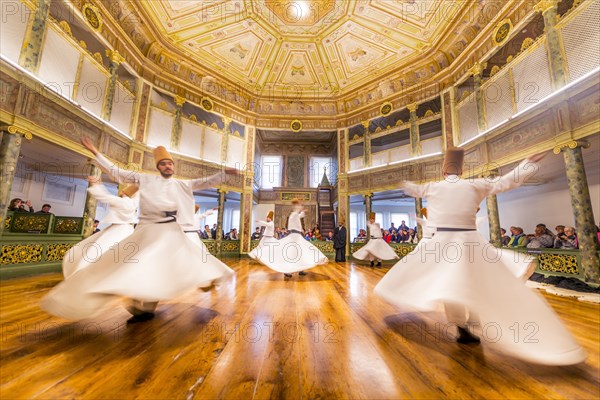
(376, 247)
(157, 262)
(462, 270)
(293, 253)
(121, 215)
(267, 245)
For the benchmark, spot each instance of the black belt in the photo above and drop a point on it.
(455, 229)
(170, 214)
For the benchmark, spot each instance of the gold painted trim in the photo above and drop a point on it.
(571, 144)
(16, 130)
(207, 104)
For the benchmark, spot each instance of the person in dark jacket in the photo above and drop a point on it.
(339, 242)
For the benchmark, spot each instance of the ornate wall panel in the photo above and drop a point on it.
(8, 93)
(117, 150)
(585, 108)
(535, 131)
(295, 171)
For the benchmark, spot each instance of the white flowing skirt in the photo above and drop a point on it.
(291, 254)
(157, 262)
(208, 258)
(91, 249)
(461, 268)
(375, 249)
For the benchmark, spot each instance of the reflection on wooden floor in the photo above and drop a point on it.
(324, 335)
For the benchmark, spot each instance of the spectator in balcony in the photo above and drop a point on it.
(329, 237)
(387, 236)
(317, 234)
(505, 237)
(392, 228)
(518, 238)
(412, 236)
(546, 230)
(18, 205)
(362, 236)
(403, 227)
(567, 240)
(256, 234)
(232, 235)
(403, 236)
(206, 233)
(96, 229)
(394, 237)
(45, 209)
(540, 239)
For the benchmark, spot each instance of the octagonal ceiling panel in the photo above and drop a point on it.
(331, 44)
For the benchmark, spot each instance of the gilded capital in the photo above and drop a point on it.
(114, 56)
(477, 68)
(412, 107)
(571, 144)
(180, 100)
(13, 130)
(545, 5)
(365, 124)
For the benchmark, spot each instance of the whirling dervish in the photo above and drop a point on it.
(376, 248)
(459, 270)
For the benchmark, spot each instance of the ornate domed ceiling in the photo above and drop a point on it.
(305, 46)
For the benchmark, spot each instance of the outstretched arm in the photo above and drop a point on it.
(413, 189)
(515, 178)
(116, 173)
(206, 213)
(98, 190)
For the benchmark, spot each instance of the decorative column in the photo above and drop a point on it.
(415, 142)
(476, 70)
(31, 52)
(225, 143)
(494, 220)
(115, 60)
(221, 211)
(89, 210)
(177, 123)
(343, 209)
(10, 147)
(141, 112)
(418, 207)
(248, 186)
(549, 10)
(582, 208)
(449, 117)
(368, 209)
(367, 141)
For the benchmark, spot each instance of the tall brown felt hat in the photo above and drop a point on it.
(270, 215)
(372, 215)
(295, 201)
(161, 153)
(196, 208)
(453, 161)
(424, 212)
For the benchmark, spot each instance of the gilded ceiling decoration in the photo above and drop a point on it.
(298, 48)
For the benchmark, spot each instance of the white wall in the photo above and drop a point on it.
(66, 195)
(386, 211)
(549, 204)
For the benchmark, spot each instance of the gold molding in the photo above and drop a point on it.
(412, 107)
(180, 101)
(571, 144)
(477, 68)
(545, 5)
(207, 104)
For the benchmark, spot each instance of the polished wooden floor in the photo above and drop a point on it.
(324, 335)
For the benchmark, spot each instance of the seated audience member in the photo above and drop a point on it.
(317, 234)
(412, 236)
(540, 239)
(18, 205)
(505, 237)
(546, 230)
(96, 229)
(403, 236)
(206, 233)
(329, 237)
(567, 239)
(45, 209)
(518, 238)
(392, 228)
(403, 227)
(232, 235)
(395, 238)
(213, 231)
(256, 234)
(386, 236)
